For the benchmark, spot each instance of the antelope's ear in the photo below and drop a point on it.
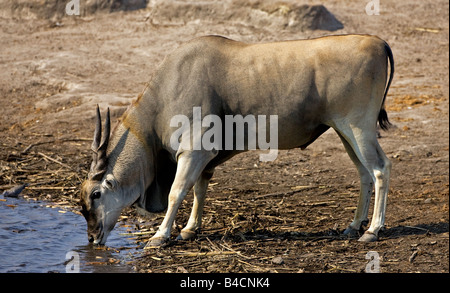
(109, 182)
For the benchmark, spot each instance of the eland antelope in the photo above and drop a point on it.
(311, 85)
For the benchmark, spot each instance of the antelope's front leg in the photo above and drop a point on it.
(190, 166)
(195, 220)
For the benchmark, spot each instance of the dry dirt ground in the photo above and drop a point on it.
(282, 216)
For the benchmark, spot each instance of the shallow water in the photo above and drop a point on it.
(38, 239)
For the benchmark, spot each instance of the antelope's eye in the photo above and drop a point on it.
(95, 195)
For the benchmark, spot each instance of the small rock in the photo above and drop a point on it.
(278, 260)
(181, 269)
(15, 191)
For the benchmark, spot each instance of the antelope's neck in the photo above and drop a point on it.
(130, 154)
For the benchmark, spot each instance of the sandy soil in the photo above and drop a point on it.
(259, 217)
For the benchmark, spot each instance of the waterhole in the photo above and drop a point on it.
(35, 238)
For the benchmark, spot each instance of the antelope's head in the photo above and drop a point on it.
(102, 199)
(125, 170)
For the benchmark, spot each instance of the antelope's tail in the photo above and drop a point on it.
(383, 119)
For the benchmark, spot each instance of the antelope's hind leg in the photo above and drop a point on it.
(381, 171)
(366, 188)
(363, 142)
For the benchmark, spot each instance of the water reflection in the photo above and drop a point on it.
(35, 238)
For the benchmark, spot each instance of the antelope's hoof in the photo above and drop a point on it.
(368, 237)
(351, 233)
(157, 242)
(186, 235)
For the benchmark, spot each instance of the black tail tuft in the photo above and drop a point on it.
(383, 120)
